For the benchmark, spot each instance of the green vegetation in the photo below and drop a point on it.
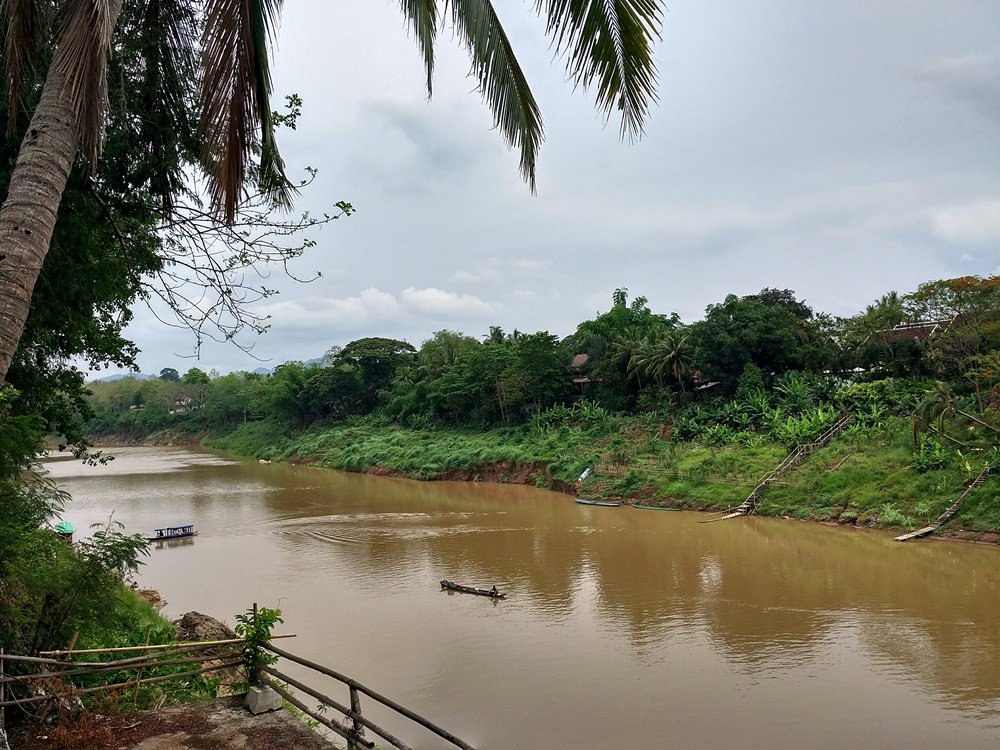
(254, 626)
(690, 416)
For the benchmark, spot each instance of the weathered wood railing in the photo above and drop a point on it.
(749, 505)
(949, 513)
(57, 666)
(355, 723)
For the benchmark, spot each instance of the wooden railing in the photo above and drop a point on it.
(60, 666)
(354, 724)
(949, 513)
(57, 668)
(953, 508)
(791, 460)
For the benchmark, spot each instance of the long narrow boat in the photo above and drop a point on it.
(603, 503)
(452, 586)
(172, 532)
(653, 507)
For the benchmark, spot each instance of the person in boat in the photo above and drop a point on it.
(493, 591)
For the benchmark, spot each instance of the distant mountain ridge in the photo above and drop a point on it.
(146, 376)
(123, 375)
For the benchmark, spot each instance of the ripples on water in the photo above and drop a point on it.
(622, 627)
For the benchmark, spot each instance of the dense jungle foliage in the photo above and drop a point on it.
(686, 415)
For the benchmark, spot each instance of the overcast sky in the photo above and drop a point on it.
(839, 149)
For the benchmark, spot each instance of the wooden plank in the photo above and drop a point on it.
(916, 534)
(734, 514)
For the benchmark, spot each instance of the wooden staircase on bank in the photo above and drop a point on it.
(792, 460)
(949, 513)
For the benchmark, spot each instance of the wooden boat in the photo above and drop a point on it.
(652, 507)
(452, 586)
(603, 503)
(172, 532)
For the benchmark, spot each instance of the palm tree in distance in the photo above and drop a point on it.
(606, 45)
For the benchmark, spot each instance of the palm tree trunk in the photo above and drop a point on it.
(28, 215)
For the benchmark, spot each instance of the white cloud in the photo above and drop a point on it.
(526, 266)
(431, 301)
(368, 306)
(475, 277)
(496, 269)
(977, 222)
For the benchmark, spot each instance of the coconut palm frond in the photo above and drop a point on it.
(501, 80)
(237, 121)
(82, 60)
(157, 46)
(20, 43)
(610, 42)
(423, 19)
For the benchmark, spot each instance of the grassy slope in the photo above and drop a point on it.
(859, 478)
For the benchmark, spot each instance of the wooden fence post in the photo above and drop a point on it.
(358, 729)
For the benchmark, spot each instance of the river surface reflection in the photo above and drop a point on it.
(622, 627)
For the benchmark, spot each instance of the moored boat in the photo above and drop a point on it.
(603, 503)
(652, 507)
(491, 593)
(172, 532)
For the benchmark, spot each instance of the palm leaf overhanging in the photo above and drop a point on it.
(607, 42)
(82, 60)
(20, 45)
(501, 80)
(422, 16)
(237, 122)
(610, 41)
(155, 71)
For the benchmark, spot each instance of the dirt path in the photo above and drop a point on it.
(221, 724)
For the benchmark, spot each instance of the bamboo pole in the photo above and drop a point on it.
(107, 668)
(185, 644)
(383, 733)
(147, 681)
(357, 728)
(120, 662)
(138, 672)
(388, 702)
(331, 725)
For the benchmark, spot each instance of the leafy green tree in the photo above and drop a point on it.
(285, 396)
(335, 392)
(230, 401)
(195, 376)
(968, 309)
(542, 371)
(170, 374)
(443, 350)
(377, 361)
(614, 342)
(764, 329)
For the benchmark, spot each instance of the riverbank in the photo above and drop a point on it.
(866, 476)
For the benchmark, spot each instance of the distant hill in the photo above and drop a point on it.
(123, 375)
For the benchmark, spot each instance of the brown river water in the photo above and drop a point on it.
(622, 628)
